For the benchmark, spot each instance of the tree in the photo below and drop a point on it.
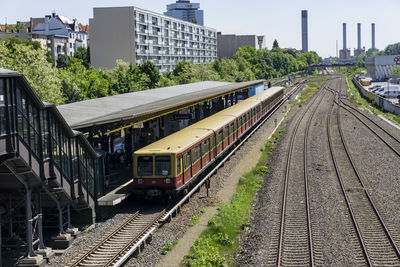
(125, 78)
(63, 62)
(275, 45)
(83, 54)
(90, 82)
(152, 72)
(393, 49)
(33, 64)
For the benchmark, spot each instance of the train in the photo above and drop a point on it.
(172, 164)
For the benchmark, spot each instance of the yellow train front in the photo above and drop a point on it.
(170, 165)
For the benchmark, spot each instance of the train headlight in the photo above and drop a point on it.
(167, 181)
(140, 181)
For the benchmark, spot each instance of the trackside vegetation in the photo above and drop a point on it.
(313, 85)
(218, 244)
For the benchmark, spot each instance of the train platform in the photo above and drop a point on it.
(117, 195)
(145, 105)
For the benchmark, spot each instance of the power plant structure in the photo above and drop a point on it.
(304, 30)
(359, 50)
(344, 53)
(373, 35)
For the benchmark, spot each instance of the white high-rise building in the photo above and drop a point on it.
(135, 35)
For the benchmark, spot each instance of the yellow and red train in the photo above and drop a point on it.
(168, 166)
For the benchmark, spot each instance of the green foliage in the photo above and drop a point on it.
(80, 83)
(19, 26)
(392, 49)
(194, 220)
(83, 54)
(63, 62)
(23, 58)
(153, 75)
(168, 247)
(11, 43)
(275, 45)
(204, 254)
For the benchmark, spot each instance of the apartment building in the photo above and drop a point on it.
(136, 35)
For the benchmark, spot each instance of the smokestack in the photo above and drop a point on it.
(344, 38)
(373, 35)
(304, 30)
(359, 36)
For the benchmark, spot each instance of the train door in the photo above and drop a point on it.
(187, 164)
(179, 175)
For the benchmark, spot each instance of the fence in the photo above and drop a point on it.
(379, 101)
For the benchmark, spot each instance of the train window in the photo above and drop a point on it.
(145, 166)
(225, 132)
(178, 166)
(219, 137)
(206, 146)
(163, 165)
(197, 152)
(187, 160)
(231, 128)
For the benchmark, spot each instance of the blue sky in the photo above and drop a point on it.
(275, 19)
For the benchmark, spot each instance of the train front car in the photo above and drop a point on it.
(160, 169)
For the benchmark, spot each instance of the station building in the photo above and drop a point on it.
(136, 35)
(59, 165)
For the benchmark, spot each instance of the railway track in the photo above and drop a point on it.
(119, 244)
(296, 246)
(376, 241)
(391, 141)
(129, 237)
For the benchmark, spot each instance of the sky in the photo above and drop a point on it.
(275, 19)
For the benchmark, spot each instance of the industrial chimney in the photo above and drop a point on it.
(359, 36)
(304, 30)
(373, 35)
(344, 37)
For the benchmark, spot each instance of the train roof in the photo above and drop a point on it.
(183, 139)
(177, 142)
(267, 93)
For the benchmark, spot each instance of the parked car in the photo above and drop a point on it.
(389, 94)
(376, 88)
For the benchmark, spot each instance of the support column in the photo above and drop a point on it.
(29, 223)
(73, 231)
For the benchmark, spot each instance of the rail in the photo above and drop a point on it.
(351, 211)
(285, 192)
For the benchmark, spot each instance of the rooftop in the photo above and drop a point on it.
(144, 105)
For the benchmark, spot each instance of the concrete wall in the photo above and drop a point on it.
(228, 44)
(112, 36)
(381, 102)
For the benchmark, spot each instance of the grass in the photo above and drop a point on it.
(313, 85)
(168, 247)
(218, 244)
(194, 220)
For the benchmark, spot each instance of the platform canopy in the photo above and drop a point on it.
(144, 105)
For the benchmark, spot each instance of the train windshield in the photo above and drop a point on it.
(145, 166)
(163, 165)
